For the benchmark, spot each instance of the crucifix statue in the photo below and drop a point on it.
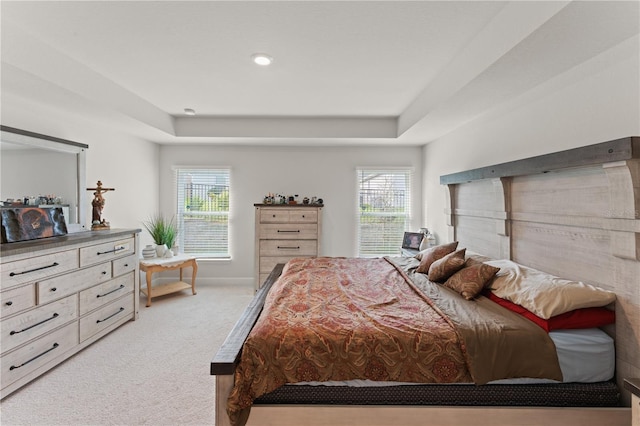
(98, 204)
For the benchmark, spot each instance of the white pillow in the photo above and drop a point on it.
(543, 294)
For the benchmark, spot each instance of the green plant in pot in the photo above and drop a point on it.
(163, 231)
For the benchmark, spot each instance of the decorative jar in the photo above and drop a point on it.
(149, 251)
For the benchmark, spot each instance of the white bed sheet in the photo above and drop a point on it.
(585, 356)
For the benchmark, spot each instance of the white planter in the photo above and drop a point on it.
(161, 249)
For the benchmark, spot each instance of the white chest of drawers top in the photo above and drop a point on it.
(284, 232)
(60, 294)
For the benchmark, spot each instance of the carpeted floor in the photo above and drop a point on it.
(154, 371)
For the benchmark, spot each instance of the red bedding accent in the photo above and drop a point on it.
(578, 318)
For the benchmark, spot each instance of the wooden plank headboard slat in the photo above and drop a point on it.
(579, 221)
(606, 152)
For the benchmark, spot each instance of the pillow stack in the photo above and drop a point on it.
(543, 294)
(447, 265)
(552, 303)
(577, 318)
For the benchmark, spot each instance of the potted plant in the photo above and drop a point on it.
(163, 231)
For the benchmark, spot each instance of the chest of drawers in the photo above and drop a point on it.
(284, 232)
(59, 295)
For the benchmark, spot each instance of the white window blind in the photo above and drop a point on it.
(384, 210)
(203, 211)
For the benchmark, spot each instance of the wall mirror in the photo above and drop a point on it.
(35, 167)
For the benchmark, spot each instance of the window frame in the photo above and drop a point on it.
(407, 173)
(213, 255)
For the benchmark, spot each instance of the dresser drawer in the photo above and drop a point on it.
(29, 325)
(104, 293)
(105, 317)
(289, 231)
(290, 248)
(28, 358)
(303, 216)
(39, 267)
(278, 215)
(267, 263)
(106, 251)
(17, 299)
(124, 265)
(55, 288)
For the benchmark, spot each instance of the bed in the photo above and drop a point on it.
(572, 214)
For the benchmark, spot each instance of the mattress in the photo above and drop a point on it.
(586, 355)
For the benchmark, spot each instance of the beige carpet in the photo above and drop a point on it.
(154, 371)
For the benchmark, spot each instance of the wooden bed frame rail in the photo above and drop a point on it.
(224, 362)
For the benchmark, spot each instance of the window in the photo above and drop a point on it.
(384, 210)
(203, 212)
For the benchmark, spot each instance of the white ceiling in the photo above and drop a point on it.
(345, 72)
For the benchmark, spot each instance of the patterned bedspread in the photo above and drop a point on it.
(342, 319)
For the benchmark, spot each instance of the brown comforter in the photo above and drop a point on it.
(354, 318)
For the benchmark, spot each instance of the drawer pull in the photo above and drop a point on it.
(110, 316)
(55, 315)
(55, 345)
(115, 250)
(288, 248)
(13, 274)
(53, 289)
(9, 303)
(298, 231)
(114, 290)
(104, 272)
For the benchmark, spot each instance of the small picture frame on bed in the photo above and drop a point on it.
(412, 240)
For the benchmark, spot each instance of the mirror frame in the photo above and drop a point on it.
(37, 140)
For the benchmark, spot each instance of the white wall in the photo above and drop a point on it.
(595, 102)
(120, 161)
(326, 172)
(28, 172)
(141, 173)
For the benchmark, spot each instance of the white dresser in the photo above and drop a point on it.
(283, 232)
(59, 295)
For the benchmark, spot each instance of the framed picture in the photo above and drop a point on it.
(30, 223)
(412, 240)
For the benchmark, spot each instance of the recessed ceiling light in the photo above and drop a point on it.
(189, 111)
(262, 59)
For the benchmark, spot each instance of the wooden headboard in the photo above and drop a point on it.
(574, 214)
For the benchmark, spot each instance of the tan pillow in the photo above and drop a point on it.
(470, 280)
(443, 268)
(430, 255)
(543, 294)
